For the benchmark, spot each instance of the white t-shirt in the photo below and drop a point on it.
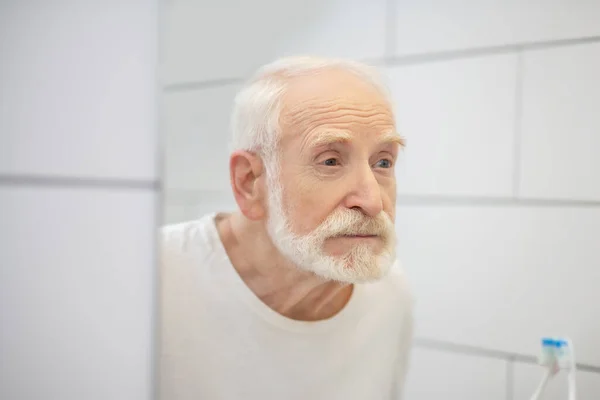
(220, 341)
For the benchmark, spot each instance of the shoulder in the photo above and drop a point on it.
(185, 236)
(396, 284)
(186, 252)
(399, 281)
(403, 299)
(395, 295)
(391, 298)
(190, 240)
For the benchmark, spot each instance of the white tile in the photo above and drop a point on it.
(76, 293)
(560, 126)
(440, 375)
(503, 277)
(230, 38)
(183, 206)
(79, 86)
(174, 213)
(458, 119)
(440, 25)
(213, 203)
(197, 135)
(527, 377)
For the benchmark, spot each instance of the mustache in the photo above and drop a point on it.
(345, 222)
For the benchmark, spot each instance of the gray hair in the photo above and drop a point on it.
(257, 106)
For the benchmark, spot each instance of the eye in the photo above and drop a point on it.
(331, 162)
(384, 163)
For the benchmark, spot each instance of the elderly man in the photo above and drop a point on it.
(297, 294)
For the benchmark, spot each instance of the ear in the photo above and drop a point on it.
(247, 181)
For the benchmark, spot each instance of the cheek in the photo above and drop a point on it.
(389, 202)
(305, 210)
(306, 203)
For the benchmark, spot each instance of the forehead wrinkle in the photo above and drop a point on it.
(308, 110)
(324, 138)
(306, 116)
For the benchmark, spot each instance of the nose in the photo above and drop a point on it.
(365, 193)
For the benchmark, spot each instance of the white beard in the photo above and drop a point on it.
(360, 264)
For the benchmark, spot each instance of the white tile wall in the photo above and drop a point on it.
(76, 293)
(78, 94)
(229, 38)
(502, 277)
(78, 91)
(443, 25)
(561, 123)
(454, 145)
(175, 213)
(197, 139)
(187, 205)
(439, 375)
(528, 376)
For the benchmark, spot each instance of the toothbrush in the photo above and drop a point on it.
(557, 354)
(549, 360)
(566, 360)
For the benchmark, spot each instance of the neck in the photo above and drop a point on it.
(282, 286)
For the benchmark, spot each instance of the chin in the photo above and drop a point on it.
(366, 274)
(349, 269)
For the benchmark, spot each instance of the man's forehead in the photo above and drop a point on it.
(331, 97)
(329, 86)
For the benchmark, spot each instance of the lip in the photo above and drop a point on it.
(358, 236)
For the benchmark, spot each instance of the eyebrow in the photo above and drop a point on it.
(327, 138)
(392, 137)
(330, 138)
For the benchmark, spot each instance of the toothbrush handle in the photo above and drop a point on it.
(572, 385)
(571, 376)
(537, 395)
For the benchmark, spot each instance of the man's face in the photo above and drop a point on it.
(332, 207)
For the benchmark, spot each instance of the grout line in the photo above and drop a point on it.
(449, 200)
(392, 61)
(159, 204)
(78, 182)
(486, 51)
(434, 344)
(510, 378)
(518, 126)
(199, 85)
(550, 44)
(390, 28)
